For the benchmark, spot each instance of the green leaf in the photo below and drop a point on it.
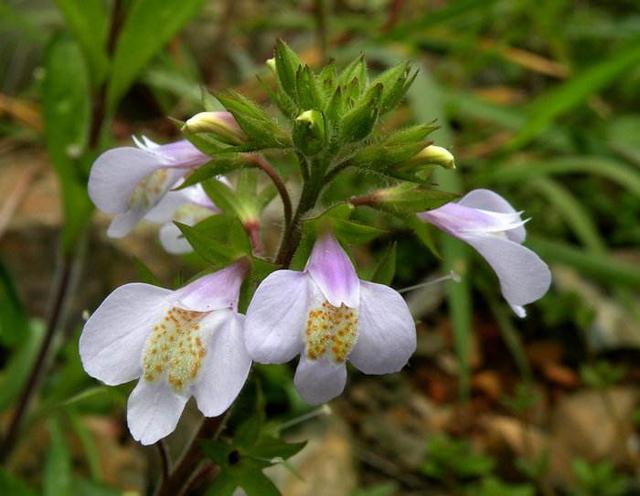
(14, 324)
(255, 483)
(18, 366)
(310, 94)
(213, 169)
(353, 232)
(385, 269)
(12, 486)
(260, 128)
(358, 123)
(602, 267)
(271, 447)
(57, 470)
(66, 110)
(568, 95)
(224, 484)
(149, 25)
(87, 20)
(287, 66)
(216, 239)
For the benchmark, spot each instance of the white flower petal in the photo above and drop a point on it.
(276, 317)
(115, 175)
(318, 381)
(167, 206)
(524, 277)
(173, 241)
(519, 311)
(153, 411)
(113, 338)
(485, 199)
(333, 272)
(123, 224)
(226, 363)
(386, 331)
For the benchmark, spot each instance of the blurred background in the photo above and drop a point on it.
(537, 99)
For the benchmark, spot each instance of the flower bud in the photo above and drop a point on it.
(271, 64)
(309, 132)
(435, 155)
(222, 124)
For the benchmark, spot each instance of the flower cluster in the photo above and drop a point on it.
(198, 340)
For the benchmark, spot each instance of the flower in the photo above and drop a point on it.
(490, 224)
(328, 316)
(130, 181)
(187, 206)
(179, 344)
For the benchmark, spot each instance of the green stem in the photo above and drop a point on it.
(293, 233)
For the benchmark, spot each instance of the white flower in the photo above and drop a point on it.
(328, 316)
(130, 181)
(179, 344)
(491, 225)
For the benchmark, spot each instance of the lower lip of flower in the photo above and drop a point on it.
(174, 350)
(331, 331)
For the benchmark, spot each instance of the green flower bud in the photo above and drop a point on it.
(221, 124)
(309, 132)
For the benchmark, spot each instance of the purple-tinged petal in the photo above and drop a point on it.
(524, 277)
(180, 154)
(153, 411)
(276, 317)
(226, 364)
(113, 338)
(386, 331)
(459, 220)
(217, 291)
(333, 272)
(172, 202)
(485, 199)
(116, 174)
(318, 381)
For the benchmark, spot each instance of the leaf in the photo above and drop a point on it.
(602, 267)
(573, 211)
(386, 267)
(271, 447)
(287, 65)
(204, 237)
(614, 170)
(149, 25)
(87, 20)
(212, 169)
(12, 486)
(18, 366)
(568, 95)
(255, 483)
(353, 232)
(14, 324)
(57, 470)
(66, 109)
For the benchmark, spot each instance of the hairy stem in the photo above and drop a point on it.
(262, 163)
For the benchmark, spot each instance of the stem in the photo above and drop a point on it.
(293, 233)
(183, 473)
(268, 169)
(60, 294)
(165, 458)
